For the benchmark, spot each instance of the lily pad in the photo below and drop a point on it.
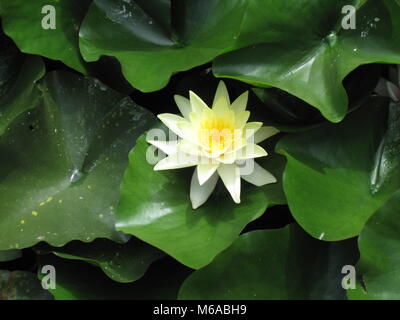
(386, 170)
(10, 61)
(260, 42)
(327, 176)
(273, 264)
(151, 44)
(18, 74)
(77, 280)
(291, 114)
(65, 159)
(21, 285)
(8, 255)
(22, 21)
(155, 207)
(121, 262)
(301, 47)
(379, 245)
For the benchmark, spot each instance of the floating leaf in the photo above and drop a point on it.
(138, 33)
(301, 47)
(273, 264)
(121, 262)
(10, 61)
(159, 211)
(21, 285)
(77, 280)
(8, 255)
(386, 168)
(327, 176)
(23, 94)
(18, 74)
(379, 245)
(291, 114)
(22, 21)
(65, 159)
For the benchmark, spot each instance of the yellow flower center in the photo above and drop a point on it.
(216, 133)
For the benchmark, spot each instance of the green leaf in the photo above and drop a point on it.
(77, 280)
(65, 159)
(108, 71)
(379, 245)
(358, 293)
(290, 46)
(386, 168)
(8, 255)
(285, 112)
(139, 34)
(327, 177)
(121, 262)
(291, 114)
(10, 61)
(23, 94)
(22, 21)
(18, 74)
(301, 47)
(159, 211)
(21, 285)
(273, 264)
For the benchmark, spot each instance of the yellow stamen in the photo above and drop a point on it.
(216, 133)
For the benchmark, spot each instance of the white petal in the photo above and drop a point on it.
(198, 105)
(250, 151)
(183, 105)
(214, 154)
(190, 148)
(250, 129)
(241, 119)
(221, 92)
(264, 133)
(200, 193)
(221, 108)
(253, 126)
(239, 143)
(195, 119)
(176, 161)
(187, 131)
(168, 147)
(172, 121)
(259, 176)
(239, 105)
(227, 158)
(230, 175)
(205, 171)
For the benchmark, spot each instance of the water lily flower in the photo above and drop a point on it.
(390, 88)
(219, 141)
